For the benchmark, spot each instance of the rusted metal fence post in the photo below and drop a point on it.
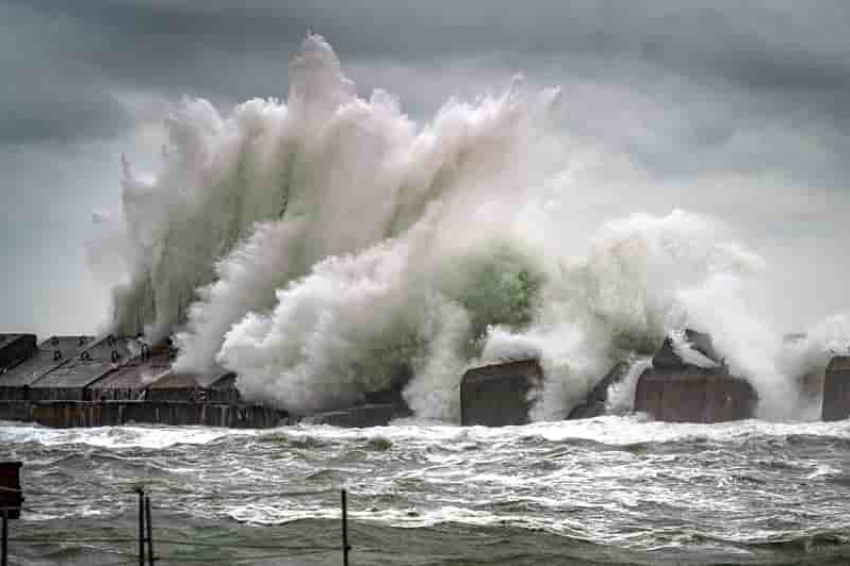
(345, 546)
(151, 558)
(141, 493)
(5, 550)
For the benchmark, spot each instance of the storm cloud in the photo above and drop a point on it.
(739, 110)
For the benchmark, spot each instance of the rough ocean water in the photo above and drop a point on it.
(610, 490)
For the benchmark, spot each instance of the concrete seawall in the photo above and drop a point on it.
(69, 414)
(69, 381)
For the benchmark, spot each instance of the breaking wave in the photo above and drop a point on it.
(328, 246)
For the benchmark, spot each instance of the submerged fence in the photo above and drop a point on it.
(142, 551)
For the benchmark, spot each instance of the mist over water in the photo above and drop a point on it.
(320, 247)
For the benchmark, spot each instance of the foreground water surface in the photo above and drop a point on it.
(612, 490)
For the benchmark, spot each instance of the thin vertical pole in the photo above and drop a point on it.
(5, 549)
(150, 530)
(141, 526)
(345, 546)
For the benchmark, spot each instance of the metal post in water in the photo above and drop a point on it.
(345, 546)
(151, 559)
(5, 550)
(141, 493)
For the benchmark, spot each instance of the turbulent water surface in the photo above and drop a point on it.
(612, 490)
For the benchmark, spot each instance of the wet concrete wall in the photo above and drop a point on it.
(693, 394)
(836, 390)
(499, 394)
(69, 414)
(675, 391)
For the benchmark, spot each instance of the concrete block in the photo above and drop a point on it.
(214, 386)
(68, 380)
(50, 354)
(131, 380)
(694, 394)
(499, 394)
(836, 389)
(15, 348)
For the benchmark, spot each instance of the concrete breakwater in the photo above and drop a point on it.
(71, 381)
(67, 414)
(78, 381)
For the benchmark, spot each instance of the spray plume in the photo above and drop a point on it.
(323, 246)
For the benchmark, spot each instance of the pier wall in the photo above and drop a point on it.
(69, 414)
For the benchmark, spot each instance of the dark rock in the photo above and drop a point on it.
(595, 404)
(836, 389)
(499, 394)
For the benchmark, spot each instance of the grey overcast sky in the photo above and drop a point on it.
(736, 109)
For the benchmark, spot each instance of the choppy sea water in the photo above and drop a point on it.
(612, 490)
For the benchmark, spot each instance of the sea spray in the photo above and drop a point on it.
(323, 246)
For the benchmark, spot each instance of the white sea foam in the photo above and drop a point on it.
(322, 246)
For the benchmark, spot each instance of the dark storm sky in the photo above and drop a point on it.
(740, 110)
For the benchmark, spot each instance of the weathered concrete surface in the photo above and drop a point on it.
(54, 352)
(836, 389)
(595, 403)
(15, 410)
(673, 390)
(499, 394)
(69, 380)
(694, 394)
(224, 390)
(193, 387)
(15, 348)
(131, 380)
(362, 416)
(68, 414)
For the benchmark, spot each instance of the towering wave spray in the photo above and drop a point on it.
(324, 247)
